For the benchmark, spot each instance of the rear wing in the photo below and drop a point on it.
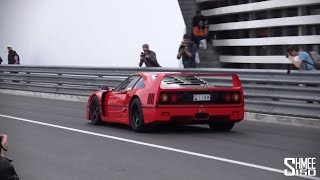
(197, 79)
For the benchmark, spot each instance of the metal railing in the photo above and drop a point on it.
(266, 91)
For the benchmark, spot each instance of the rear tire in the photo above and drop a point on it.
(95, 113)
(221, 126)
(136, 116)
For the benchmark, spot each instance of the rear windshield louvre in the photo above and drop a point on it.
(194, 81)
(185, 81)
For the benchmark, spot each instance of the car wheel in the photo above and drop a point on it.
(95, 115)
(221, 126)
(136, 116)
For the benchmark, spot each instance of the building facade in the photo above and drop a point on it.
(256, 33)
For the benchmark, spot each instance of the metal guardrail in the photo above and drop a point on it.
(266, 91)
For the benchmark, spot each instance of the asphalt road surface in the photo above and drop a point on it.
(50, 139)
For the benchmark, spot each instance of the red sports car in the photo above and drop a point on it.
(156, 97)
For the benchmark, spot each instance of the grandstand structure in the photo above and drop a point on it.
(256, 33)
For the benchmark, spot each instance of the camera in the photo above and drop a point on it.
(287, 55)
(182, 46)
(142, 54)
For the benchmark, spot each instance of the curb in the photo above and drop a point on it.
(284, 120)
(45, 95)
(266, 118)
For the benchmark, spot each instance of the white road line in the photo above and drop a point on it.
(156, 146)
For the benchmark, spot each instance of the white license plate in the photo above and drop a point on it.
(201, 97)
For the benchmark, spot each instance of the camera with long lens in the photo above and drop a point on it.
(287, 55)
(182, 46)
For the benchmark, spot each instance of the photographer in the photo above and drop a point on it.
(304, 61)
(7, 171)
(13, 57)
(187, 50)
(148, 57)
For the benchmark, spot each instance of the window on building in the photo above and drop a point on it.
(292, 31)
(277, 13)
(260, 33)
(276, 50)
(276, 32)
(244, 17)
(243, 1)
(216, 19)
(222, 3)
(233, 2)
(244, 33)
(235, 51)
(243, 51)
(225, 34)
(261, 50)
(313, 30)
(317, 29)
(208, 5)
(232, 18)
(290, 12)
(228, 51)
(261, 15)
(313, 10)
(234, 34)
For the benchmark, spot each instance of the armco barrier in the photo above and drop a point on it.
(266, 91)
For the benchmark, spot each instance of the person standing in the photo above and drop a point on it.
(187, 50)
(200, 33)
(148, 57)
(13, 57)
(0, 60)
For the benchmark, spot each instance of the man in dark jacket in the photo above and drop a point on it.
(13, 57)
(7, 171)
(0, 60)
(187, 50)
(148, 57)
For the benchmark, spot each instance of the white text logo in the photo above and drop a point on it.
(300, 166)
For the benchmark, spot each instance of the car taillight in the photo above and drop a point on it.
(164, 98)
(235, 97)
(174, 98)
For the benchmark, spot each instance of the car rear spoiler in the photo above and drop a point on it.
(235, 78)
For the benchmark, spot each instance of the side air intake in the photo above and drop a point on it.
(150, 98)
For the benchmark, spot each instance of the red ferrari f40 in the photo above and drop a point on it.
(156, 97)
